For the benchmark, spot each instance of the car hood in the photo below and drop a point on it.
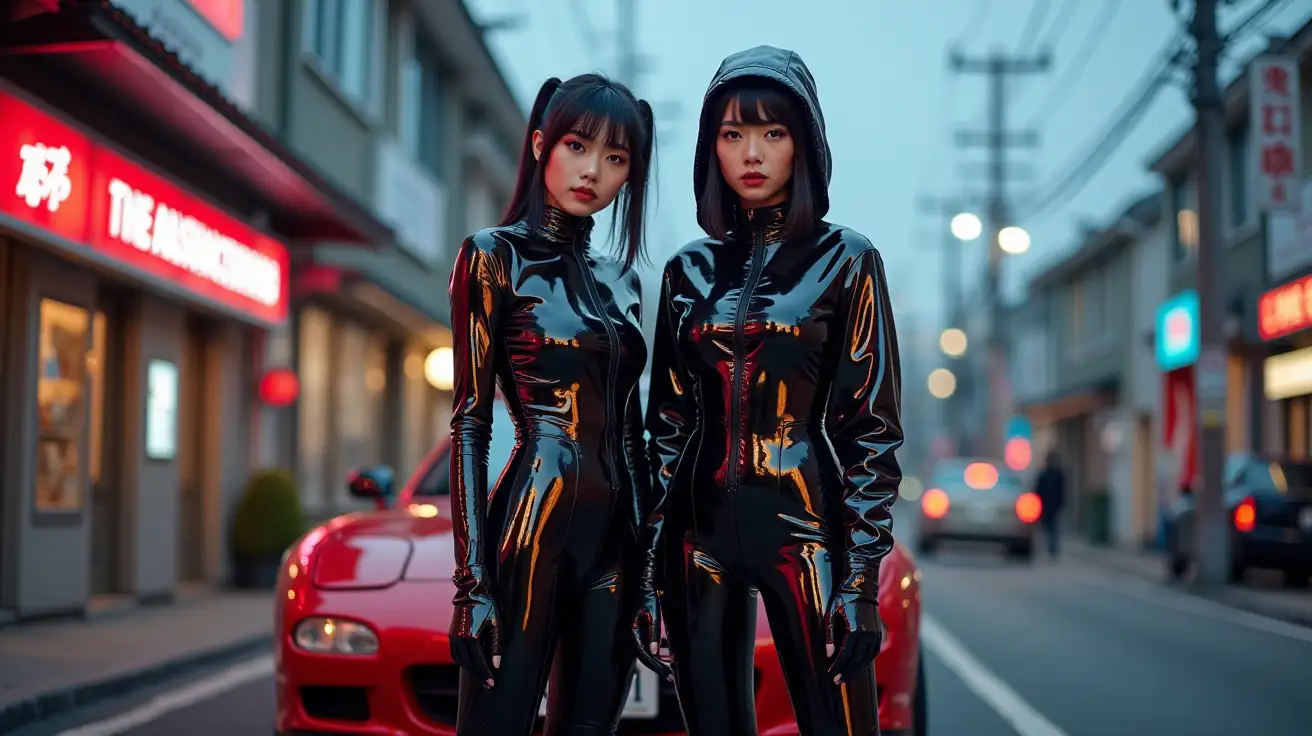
(373, 550)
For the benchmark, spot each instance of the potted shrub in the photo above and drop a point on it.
(267, 521)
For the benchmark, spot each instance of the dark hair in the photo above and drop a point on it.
(583, 106)
(760, 102)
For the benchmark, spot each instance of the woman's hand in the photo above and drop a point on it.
(647, 626)
(475, 616)
(853, 622)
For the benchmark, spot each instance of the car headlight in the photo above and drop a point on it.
(335, 636)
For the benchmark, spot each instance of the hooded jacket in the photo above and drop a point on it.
(775, 366)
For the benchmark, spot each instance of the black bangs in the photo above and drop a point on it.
(758, 105)
(589, 106)
(589, 114)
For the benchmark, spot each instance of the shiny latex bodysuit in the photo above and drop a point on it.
(559, 330)
(773, 418)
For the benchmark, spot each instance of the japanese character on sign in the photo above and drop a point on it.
(1276, 128)
(1276, 80)
(1277, 119)
(44, 176)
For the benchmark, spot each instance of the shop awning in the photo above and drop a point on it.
(97, 44)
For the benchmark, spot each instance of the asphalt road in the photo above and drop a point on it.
(1052, 649)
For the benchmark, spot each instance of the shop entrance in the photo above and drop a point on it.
(4, 412)
(105, 471)
(192, 437)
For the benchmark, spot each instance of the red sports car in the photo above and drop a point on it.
(364, 600)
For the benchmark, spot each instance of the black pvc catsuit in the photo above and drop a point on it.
(559, 330)
(774, 417)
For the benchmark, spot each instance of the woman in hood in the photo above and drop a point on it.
(546, 582)
(774, 417)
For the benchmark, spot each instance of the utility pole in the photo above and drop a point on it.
(1210, 372)
(626, 42)
(999, 67)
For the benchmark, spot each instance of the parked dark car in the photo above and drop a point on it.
(1269, 507)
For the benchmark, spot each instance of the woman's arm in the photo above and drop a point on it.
(477, 288)
(671, 410)
(863, 418)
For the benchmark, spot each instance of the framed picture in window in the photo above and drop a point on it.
(61, 404)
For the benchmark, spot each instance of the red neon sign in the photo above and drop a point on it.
(227, 16)
(1285, 309)
(61, 180)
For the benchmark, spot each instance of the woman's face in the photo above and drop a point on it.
(756, 160)
(583, 175)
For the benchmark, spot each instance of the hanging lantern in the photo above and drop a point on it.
(279, 387)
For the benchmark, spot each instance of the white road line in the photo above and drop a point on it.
(1139, 589)
(983, 682)
(196, 692)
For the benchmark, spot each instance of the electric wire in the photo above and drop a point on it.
(1137, 103)
(1066, 82)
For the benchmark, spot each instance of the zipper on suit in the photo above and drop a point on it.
(612, 363)
(739, 323)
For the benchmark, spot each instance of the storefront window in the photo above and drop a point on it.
(360, 380)
(61, 397)
(96, 371)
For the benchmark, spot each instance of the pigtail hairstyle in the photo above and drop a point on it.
(528, 166)
(586, 106)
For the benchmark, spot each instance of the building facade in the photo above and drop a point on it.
(196, 194)
(148, 231)
(401, 104)
(1085, 333)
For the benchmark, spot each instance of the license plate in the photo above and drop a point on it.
(1305, 518)
(982, 514)
(644, 697)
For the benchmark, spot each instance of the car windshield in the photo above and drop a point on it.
(1279, 477)
(437, 477)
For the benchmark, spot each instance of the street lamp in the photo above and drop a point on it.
(966, 226)
(439, 369)
(1013, 240)
(942, 383)
(953, 342)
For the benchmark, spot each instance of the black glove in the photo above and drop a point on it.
(854, 624)
(647, 623)
(475, 615)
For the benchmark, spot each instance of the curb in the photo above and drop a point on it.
(40, 707)
(1237, 599)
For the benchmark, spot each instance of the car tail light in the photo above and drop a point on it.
(1028, 508)
(934, 503)
(1246, 515)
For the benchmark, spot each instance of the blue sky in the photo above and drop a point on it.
(891, 103)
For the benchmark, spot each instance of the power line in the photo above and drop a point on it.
(1059, 24)
(1033, 22)
(1268, 7)
(1130, 113)
(1092, 37)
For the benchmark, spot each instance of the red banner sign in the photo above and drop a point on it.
(1285, 309)
(59, 179)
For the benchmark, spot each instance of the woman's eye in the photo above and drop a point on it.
(616, 159)
(730, 135)
(777, 133)
(575, 146)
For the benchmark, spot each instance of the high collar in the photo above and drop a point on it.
(748, 223)
(559, 226)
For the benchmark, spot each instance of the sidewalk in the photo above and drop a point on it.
(49, 667)
(1254, 595)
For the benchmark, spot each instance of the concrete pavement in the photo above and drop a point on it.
(1052, 649)
(53, 667)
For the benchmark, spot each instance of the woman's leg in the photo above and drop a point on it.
(594, 659)
(796, 590)
(711, 620)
